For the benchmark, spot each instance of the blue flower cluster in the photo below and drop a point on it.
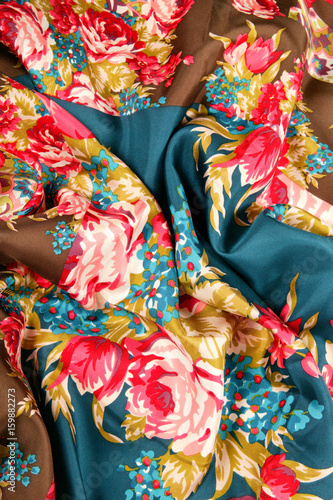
(135, 322)
(22, 466)
(277, 211)
(321, 161)
(41, 109)
(221, 91)
(24, 169)
(63, 236)
(159, 286)
(298, 119)
(24, 174)
(67, 316)
(188, 253)
(146, 482)
(132, 102)
(99, 171)
(9, 297)
(37, 78)
(248, 388)
(52, 183)
(69, 47)
(127, 18)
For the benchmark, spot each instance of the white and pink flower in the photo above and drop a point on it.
(180, 399)
(81, 91)
(25, 31)
(69, 203)
(234, 51)
(164, 15)
(102, 257)
(266, 9)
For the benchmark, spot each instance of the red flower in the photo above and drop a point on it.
(96, 364)
(279, 480)
(164, 16)
(261, 55)
(284, 333)
(268, 110)
(275, 193)
(64, 18)
(48, 144)
(148, 69)
(257, 155)
(108, 37)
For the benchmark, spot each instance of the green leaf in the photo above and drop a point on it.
(135, 427)
(183, 474)
(305, 474)
(98, 416)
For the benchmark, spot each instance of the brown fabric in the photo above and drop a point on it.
(28, 243)
(30, 432)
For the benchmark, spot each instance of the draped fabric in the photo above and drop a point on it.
(166, 251)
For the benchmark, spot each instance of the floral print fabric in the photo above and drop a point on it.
(166, 223)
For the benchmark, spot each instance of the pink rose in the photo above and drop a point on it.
(48, 145)
(164, 15)
(96, 365)
(268, 110)
(13, 329)
(279, 480)
(81, 91)
(234, 52)
(180, 399)
(63, 16)
(8, 120)
(25, 31)
(261, 55)
(267, 9)
(69, 202)
(108, 37)
(103, 256)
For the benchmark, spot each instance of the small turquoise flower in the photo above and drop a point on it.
(63, 236)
